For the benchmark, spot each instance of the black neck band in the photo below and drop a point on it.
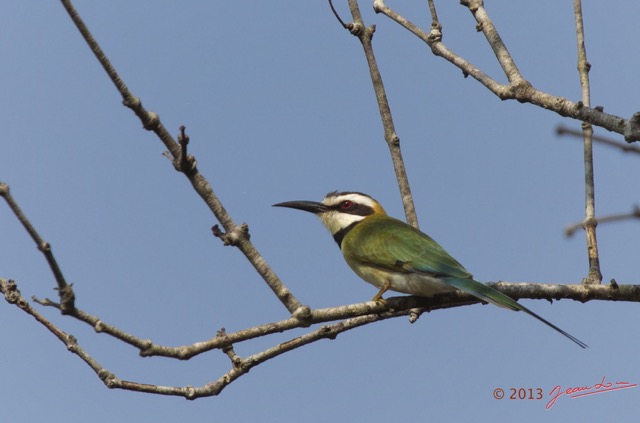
(339, 236)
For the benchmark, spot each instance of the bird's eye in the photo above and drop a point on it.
(346, 205)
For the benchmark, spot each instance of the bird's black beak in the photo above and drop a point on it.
(308, 206)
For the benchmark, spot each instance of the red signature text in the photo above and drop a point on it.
(583, 391)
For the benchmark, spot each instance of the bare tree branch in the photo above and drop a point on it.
(626, 148)
(590, 222)
(361, 314)
(237, 236)
(635, 214)
(65, 290)
(518, 88)
(365, 35)
(340, 318)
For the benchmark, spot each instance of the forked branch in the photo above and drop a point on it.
(362, 314)
(518, 88)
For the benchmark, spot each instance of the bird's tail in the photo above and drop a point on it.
(493, 296)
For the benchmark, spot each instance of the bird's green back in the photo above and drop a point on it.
(390, 244)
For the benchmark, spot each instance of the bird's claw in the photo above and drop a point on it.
(380, 301)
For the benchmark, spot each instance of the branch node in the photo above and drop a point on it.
(435, 35)
(13, 296)
(328, 332)
(236, 360)
(355, 28)
(72, 343)
(521, 91)
(189, 392)
(614, 284)
(302, 313)
(111, 381)
(473, 5)
(150, 120)
(67, 299)
(414, 314)
(222, 335)
(378, 6)
(105, 374)
(233, 237)
(632, 128)
(4, 189)
(146, 348)
(185, 163)
(590, 222)
(44, 246)
(132, 103)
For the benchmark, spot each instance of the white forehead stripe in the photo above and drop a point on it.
(335, 198)
(332, 199)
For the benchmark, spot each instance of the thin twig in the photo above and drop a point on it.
(435, 22)
(365, 35)
(635, 214)
(65, 290)
(625, 147)
(485, 25)
(335, 13)
(12, 295)
(590, 222)
(187, 162)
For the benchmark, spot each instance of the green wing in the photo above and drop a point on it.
(391, 244)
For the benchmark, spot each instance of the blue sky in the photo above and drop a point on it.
(278, 104)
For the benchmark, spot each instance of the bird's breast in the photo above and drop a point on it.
(407, 283)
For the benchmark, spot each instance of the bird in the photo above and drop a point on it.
(393, 255)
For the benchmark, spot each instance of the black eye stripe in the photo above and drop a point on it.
(355, 208)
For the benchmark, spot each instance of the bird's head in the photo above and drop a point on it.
(339, 211)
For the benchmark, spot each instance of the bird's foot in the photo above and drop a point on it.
(378, 297)
(379, 300)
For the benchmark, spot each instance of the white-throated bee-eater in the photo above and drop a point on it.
(392, 255)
